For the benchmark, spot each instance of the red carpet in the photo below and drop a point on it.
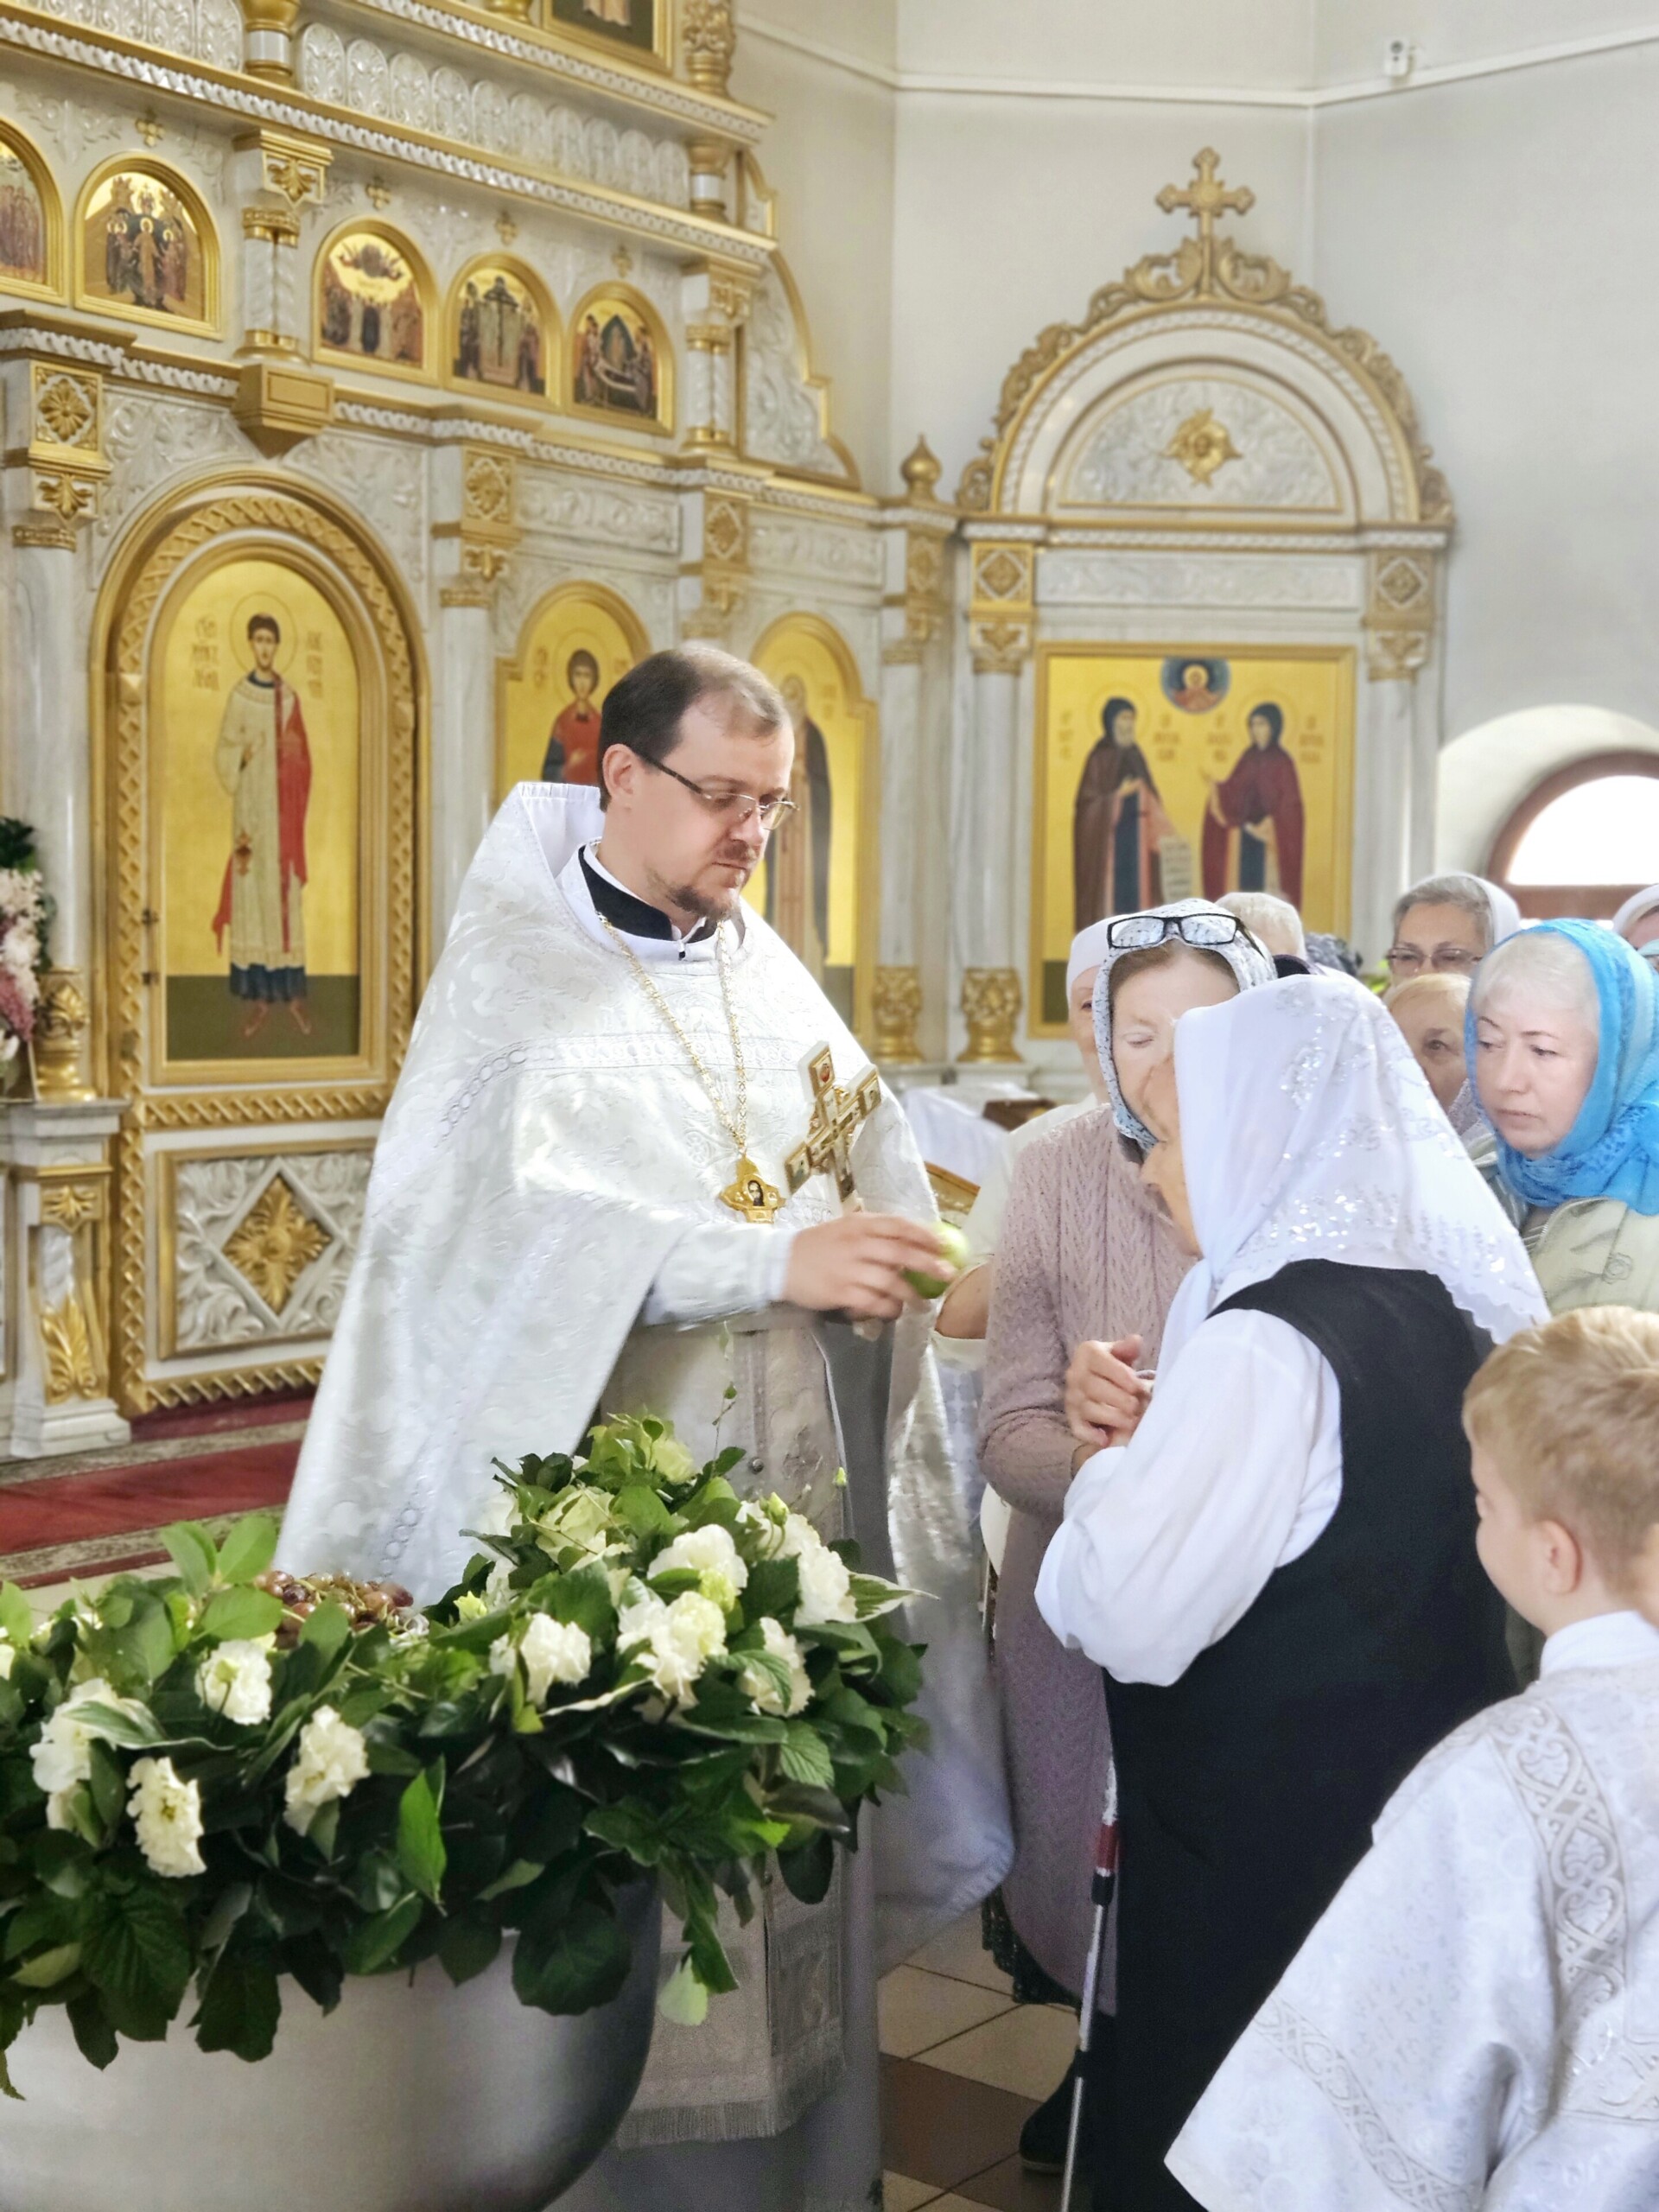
(106, 1512)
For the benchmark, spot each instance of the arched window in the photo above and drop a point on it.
(1583, 838)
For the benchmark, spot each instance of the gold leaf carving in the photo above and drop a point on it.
(71, 1370)
(275, 1243)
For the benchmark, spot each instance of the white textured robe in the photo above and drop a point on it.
(547, 1146)
(1475, 2021)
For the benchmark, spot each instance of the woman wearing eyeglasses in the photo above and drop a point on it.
(1086, 1267)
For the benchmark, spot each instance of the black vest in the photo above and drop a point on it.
(1248, 1787)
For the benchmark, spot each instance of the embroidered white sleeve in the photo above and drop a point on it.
(715, 1273)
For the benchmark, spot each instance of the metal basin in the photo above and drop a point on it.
(411, 2097)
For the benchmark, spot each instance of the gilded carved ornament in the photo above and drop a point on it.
(62, 1026)
(708, 41)
(65, 453)
(991, 1000)
(1204, 270)
(1202, 446)
(1001, 615)
(274, 1244)
(1398, 616)
(896, 1004)
(488, 529)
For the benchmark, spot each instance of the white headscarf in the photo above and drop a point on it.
(1506, 915)
(1308, 1131)
(1645, 902)
(1251, 966)
(1088, 948)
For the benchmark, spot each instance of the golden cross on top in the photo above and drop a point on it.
(1204, 199)
(837, 1116)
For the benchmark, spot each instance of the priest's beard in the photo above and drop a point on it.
(708, 901)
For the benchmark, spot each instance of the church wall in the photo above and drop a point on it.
(989, 249)
(1200, 44)
(830, 157)
(1490, 230)
(1450, 33)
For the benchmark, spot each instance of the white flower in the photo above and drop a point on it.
(8, 1658)
(235, 1679)
(679, 1640)
(498, 1590)
(758, 1685)
(62, 1757)
(332, 1759)
(553, 1651)
(826, 1587)
(710, 1554)
(167, 1813)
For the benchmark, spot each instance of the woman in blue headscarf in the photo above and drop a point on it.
(1563, 1043)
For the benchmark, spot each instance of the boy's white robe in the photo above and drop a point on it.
(547, 1147)
(1475, 2021)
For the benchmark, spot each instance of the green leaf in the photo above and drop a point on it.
(192, 1552)
(467, 1945)
(46, 1968)
(109, 1784)
(801, 1802)
(240, 2006)
(94, 2036)
(641, 1510)
(774, 1587)
(518, 1876)
(328, 1629)
(232, 1615)
(137, 1731)
(631, 1827)
(806, 1756)
(374, 1943)
(134, 1947)
(146, 1644)
(249, 1548)
(717, 1502)
(808, 1870)
(420, 1840)
(16, 1616)
(325, 1827)
(570, 1962)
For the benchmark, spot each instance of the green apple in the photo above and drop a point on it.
(953, 1246)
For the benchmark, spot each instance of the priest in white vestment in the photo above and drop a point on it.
(581, 1205)
(1473, 2026)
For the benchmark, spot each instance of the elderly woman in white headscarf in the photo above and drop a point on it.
(1085, 1271)
(1278, 1571)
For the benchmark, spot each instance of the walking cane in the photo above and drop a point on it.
(1100, 1890)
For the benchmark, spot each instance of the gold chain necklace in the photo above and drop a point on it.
(748, 1193)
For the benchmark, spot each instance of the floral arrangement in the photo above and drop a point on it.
(24, 917)
(218, 1784)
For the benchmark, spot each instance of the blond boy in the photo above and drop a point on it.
(1475, 2021)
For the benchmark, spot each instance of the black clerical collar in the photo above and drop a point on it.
(633, 916)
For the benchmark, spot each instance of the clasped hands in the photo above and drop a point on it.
(1105, 1399)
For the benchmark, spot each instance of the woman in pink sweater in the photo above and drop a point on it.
(1085, 1273)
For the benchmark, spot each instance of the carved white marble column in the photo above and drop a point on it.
(475, 484)
(57, 1263)
(985, 804)
(1393, 799)
(714, 298)
(914, 668)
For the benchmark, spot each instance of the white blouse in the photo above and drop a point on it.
(1169, 1540)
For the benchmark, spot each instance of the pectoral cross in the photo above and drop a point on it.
(836, 1118)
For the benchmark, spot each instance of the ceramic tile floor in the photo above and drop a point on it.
(961, 2068)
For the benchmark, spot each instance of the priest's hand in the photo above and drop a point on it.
(1104, 1396)
(856, 1265)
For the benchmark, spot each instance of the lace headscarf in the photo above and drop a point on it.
(1612, 1151)
(1251, 966)
(1308, 1131)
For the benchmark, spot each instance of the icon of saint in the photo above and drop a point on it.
(1117, 824)
(263, 761)
(1195, 696)
(1253, 822)
(572, 755)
